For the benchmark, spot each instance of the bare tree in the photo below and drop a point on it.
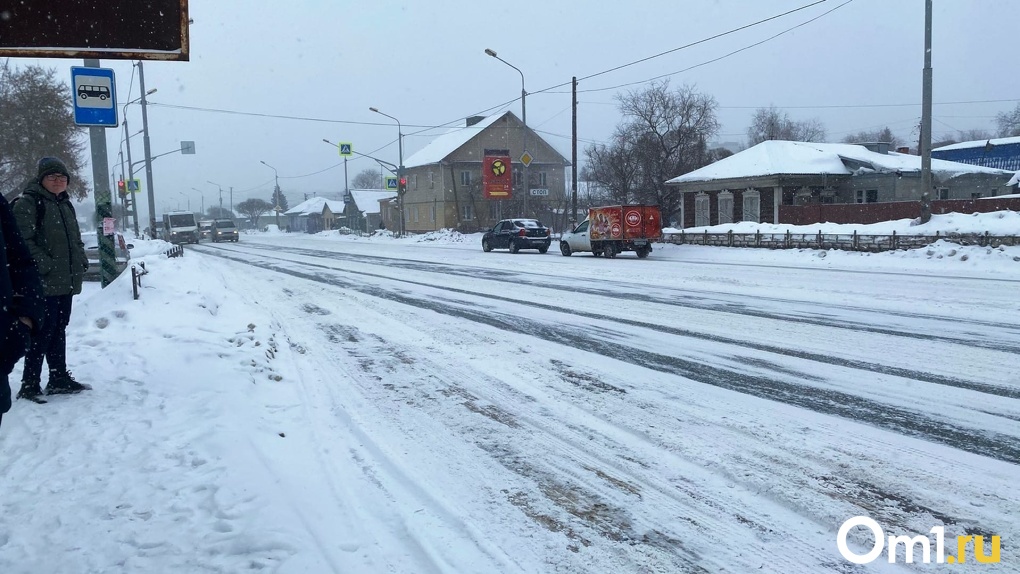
(38, 121)
(253, 208)
(367, 179)
(883, 135)
(1009, 123)
(663, 135)
(975, 135)
(772, 123)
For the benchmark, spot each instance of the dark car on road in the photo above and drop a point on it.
(517, 234)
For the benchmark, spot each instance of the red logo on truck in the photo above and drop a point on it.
(633, 218)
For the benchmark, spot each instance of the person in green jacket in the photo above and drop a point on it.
(49, 226)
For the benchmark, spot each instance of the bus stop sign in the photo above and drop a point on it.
(95, 96)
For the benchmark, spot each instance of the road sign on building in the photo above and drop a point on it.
(95, 96)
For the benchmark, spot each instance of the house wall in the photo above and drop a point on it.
(866, 213)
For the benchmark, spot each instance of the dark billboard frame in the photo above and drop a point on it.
(96, 29)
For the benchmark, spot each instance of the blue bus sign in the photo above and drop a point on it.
(95, 96)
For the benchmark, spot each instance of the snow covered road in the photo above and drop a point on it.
(444, 410)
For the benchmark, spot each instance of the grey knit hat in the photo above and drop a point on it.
(51, 165)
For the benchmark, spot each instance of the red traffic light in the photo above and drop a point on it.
(122, 188)
(402, 184)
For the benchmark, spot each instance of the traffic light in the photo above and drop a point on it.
(402, 185)
(121, 188)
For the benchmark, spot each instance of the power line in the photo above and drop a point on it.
(748, 47)
(710, 38)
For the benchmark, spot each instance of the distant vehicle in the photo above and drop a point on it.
(614, 229)
(180, 227)
(517, 234)
(205, 229)
(85, 92)
(224, 230)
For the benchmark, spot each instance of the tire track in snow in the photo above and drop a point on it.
(827, 401)
(683, 298)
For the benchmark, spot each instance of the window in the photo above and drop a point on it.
(465, 178)
(414, 213)
(540, 179)
(493, 210)
(518, 177)
(432, 180)
(995, 191)
(867, 196)
(752, 206)
(943, 193)
(701, 210)
(467, 211)
(975, 195)
(433, 212)
(726, 207)
(414, 181)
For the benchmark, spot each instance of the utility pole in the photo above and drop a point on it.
(148, 154)
(926, 97)
(97, 141)
(573, 152)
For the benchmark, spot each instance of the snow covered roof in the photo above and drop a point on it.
(1015, 180)
(777, 157)
(449, 142)
(314, 205)
(979, 143)
(368, 200)
(307, 207)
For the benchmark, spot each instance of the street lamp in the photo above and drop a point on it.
(220, 187)
(276, 193)
(400, 167)
(524, 119)
(127, 143)
(202, 193)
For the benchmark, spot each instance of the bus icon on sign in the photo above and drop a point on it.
(86, 91)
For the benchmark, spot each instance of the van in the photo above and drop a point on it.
(86, 91)
(180, 227)
(224, 230)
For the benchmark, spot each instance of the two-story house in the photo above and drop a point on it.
(444, 179)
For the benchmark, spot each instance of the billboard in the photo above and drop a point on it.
(497, 178)
(100, 29)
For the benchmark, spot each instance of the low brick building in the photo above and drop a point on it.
(753, 184)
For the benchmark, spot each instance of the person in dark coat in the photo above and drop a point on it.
(49, 225)
(21, 300)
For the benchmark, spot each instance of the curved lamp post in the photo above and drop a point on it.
(127, 142)
(276, 193)
(524, 120)
(400, 166)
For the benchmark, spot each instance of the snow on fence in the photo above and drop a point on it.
(842, 241)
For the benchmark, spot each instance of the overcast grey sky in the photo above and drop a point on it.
(856, 68)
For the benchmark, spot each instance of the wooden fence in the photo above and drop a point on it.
(842, 241)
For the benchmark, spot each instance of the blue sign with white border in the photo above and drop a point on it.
(95, 96)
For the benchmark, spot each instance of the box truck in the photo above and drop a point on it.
(613, 229)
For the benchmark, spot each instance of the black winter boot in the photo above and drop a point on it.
(62, 383)
(31, 391)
